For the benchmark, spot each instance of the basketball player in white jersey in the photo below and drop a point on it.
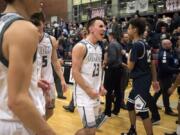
(21, 108)
(87, 73)
(48, 54)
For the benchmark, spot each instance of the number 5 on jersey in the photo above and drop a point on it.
(44, 61)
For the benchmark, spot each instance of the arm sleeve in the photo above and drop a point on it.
(136, 52)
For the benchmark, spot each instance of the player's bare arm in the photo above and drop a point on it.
(56, 63)
(20, 55)
(155, 83)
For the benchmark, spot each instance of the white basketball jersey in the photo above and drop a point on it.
(45, 51)
(35, 92)
(91, 71)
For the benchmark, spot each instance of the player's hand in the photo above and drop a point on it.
(155, 85)
(64, 86)
(47, 98)
(104, 64)
(102, 91)
(61, 61)
(93, 94)
(44, 85)
(123, 52)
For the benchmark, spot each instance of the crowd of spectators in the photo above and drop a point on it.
(158, 28)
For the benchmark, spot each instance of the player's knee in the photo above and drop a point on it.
(144, 115)
(130, 106)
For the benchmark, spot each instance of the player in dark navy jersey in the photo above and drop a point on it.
(139, 63)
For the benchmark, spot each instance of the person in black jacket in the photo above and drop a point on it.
(126, 45)
(166, 69)
(113, 73)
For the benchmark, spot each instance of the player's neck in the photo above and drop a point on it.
(136, 38)
(91, 39)
(41, 36)
(16, 9)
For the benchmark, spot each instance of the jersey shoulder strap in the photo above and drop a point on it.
(144, 48)
(5, 21)
(84, 42)
(47, 35)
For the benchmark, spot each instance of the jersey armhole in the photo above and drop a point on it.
(144, 49)
(85, 44)
(6, 26)
(50, 39)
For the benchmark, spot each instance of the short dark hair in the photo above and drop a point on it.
(139, 23)
(9, 1)
(36, 18)
(92, 21)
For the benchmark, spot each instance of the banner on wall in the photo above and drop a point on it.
(131, 7)
(172, 5)
(85, 1)
(141, 5)
(97, 12)
(76, 2)
(94, 0)
(79, 2)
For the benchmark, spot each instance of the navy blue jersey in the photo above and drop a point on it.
(141, 75)
(166, 63)
(141, 56)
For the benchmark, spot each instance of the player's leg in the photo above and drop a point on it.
(100, 116)
(142, 104)
(132, 114)
(88, 119)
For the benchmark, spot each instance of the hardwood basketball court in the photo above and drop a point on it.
(66, 123)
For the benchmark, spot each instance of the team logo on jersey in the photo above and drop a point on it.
(93, 57)
(44, 49)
